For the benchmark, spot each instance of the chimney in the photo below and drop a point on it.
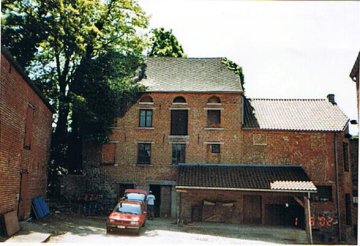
(331, 98)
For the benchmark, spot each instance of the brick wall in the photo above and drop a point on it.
(21, 168)
(319, 153)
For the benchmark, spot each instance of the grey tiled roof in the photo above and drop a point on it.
(167, 74)
(244, 177)
(294, 114)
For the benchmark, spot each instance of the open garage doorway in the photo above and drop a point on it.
(291, 215)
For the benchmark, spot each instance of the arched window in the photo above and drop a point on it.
(179, 100)
(146, 99)
(214, 99)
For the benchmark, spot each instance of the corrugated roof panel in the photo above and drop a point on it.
(294, 114)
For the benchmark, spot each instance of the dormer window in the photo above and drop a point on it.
(179, 100)
(214, 100)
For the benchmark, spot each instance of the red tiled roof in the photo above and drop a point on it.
(293, 114)
(291, 178)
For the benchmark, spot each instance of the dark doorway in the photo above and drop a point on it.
(291, 215)
(252, 210)
(123, 187)
(156, 190)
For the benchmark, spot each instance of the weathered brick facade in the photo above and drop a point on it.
(321, 153)
(25, 129)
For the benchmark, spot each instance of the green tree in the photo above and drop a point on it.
(55, 39)
(237, 70)
(164, 43)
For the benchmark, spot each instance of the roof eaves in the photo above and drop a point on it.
(243, 189)
(188, 91)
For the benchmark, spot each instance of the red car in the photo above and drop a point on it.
(127, 215)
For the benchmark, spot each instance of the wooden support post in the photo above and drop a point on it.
(308, 218)
(180, 210)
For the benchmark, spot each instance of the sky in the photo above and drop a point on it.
(287, 49)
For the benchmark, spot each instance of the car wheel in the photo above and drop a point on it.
(143, 224)
(108, 230)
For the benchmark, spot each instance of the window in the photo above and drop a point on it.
(146, 99)
(144, 153)
(348, 209)
(214, 99)
(214, 118)
(324, 194)
(108, 153)
(346, 156)
(145, 118)
(179, 100)
(179, 122)
(178, 153)
(355, 197)
(29, 126)
(215, 148)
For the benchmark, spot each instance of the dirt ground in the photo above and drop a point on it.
(76, 228)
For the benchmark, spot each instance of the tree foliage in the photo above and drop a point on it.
(164, 43)
(58, 41)
(237, 70)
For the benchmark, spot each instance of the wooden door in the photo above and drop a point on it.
(252, 210)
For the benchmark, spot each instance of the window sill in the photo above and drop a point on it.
(108, 164)
(142, 165)
(145, 128)
(179, 136)
(214, 129)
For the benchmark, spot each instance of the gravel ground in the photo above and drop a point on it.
(74, 228)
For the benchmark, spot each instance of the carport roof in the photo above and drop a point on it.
(241, 177)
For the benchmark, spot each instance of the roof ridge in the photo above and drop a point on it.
(166, 57)
(288, 99)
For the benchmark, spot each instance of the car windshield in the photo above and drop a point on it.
(128, 208)
(135, 196)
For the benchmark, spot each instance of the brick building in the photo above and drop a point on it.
(25, 135)
(355, 75)
(209, 153)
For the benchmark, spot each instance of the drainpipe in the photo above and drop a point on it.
(337, 186)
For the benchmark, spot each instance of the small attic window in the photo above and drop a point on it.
(179, 100)
(146, 99)
(214, 99)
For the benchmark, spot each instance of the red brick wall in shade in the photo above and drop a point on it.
(17, 159)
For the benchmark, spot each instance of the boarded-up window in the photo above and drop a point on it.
(259, 139)
(179, 122)
(108, 153)
(214, 118)
(29, 126)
